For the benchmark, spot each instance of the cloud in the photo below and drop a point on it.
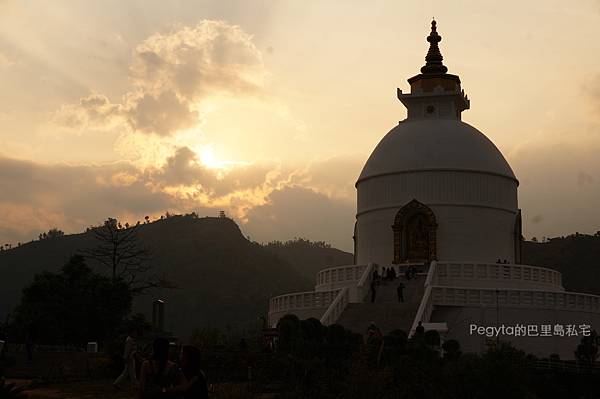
(79, 192)
(182, 167)
(297, 211)
(558, 197)
(172, 74)
(93, 111)
(335, 176)
(266, 198)
(163, 114)
(193, 62)
(537, 219)
(584, 178)
(591, 92)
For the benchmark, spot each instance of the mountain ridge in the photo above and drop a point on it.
(222, 278)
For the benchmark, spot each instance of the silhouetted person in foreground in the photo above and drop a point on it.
(158, 374)
(375, 275)
(373, 331)
(420, 330)
(192, 380)
(29, 341)
(400, 291)
(129, 353)
(373, 291)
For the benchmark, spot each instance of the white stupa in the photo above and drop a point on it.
(436, 176)
(437, 195)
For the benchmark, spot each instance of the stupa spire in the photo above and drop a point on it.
(433, 60)
(434, 93)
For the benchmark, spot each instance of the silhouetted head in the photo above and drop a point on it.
(160, 352)
(190, 360)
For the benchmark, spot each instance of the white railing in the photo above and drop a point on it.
(327, 304)
(364, 284)
(538, 299)
(511, 275)
(426, 306)
(335, 309)
(331, 277)
(432, 274)
(565, 365)
(302, 300)
(441, 289)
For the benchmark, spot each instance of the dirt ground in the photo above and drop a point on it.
(103, 389)
(77, 390)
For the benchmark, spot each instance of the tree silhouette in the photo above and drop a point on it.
(121, 250)
(73, 305)
(587, 350)
(52, 233)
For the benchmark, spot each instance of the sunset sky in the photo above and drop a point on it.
(269, 109)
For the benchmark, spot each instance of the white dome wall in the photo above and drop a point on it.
(435, 144)
(475, 212)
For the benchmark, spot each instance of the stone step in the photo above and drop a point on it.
(386, 312)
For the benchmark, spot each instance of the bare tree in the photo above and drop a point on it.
(120, 250)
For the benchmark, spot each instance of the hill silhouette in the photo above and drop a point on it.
(225, 279)
(576, 256)
(222, 278)
(309, 257)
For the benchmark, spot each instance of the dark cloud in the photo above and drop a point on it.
(184, 168)
(163, 114)
(77, 193)
(537, 219)
(584, 178)
(558, 181)
(300, 212)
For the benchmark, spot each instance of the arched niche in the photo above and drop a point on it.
(415, 230)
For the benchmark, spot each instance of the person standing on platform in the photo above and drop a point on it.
(420, 330)
(400, 291)
(373, 290)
